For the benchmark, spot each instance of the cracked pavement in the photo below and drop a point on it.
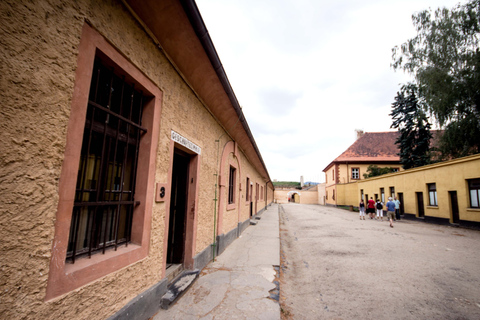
(237, 284)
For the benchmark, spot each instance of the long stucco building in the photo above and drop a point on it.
(124, 153)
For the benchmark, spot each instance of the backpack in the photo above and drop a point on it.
(379, 206)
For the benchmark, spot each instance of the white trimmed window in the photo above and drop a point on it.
(356, 173)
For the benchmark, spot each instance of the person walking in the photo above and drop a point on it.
(361, 209)
(379, 207)
(371, 208)
(390, 211)
(397, 208)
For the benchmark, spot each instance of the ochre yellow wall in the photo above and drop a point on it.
(305, 196)
(448, 176)
(40, 42)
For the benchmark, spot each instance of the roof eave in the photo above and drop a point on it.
(183, 36)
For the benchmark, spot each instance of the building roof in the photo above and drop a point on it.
(177, 27)
(371, 147)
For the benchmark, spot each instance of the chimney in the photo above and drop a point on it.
(360, 133)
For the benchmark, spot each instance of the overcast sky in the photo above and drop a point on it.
(307, 73)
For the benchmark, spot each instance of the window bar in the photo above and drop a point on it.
(104, 191)
(125, 155)
(117, 211)
(101, 183)
(108, 111)
(84, 170)
(137, 144)
(134, 171)
(92, 217)
(106, 140)
(84, 174)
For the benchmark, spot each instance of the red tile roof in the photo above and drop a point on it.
(371, 147)
(375, 147)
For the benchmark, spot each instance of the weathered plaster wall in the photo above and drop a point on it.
(39, 45)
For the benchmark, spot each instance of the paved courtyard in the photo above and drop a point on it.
(336, 266)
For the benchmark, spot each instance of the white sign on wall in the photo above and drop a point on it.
(185, 142)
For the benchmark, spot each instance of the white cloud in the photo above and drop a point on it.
(309, 72)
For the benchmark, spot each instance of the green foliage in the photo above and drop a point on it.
(444, 58)
(412, 124)
(373, 171)
(286, 184)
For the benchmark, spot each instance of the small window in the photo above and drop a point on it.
(333, 195)
(361, 195)
(382, 194)
(356, 173)
(247, 195)
(474, 189)
(392, 192)
(326, 195)
(395, 169)
(333, 174)
(231, 186)
(432, 194)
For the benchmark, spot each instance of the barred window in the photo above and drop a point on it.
(104, 198)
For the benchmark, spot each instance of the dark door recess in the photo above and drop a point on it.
(454, 206)
(421, 208)
(178, 200)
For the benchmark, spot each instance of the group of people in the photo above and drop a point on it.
(393, 209)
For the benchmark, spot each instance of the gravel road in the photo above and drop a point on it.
(335, 266)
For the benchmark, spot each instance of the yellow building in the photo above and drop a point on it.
(370, 148)
(124, 154)
(446, 192)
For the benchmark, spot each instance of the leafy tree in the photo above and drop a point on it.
(412, 124)
(444, 59)
(373, 171)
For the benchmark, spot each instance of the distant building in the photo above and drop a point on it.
(370, 148)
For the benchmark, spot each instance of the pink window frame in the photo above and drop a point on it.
(64, 277)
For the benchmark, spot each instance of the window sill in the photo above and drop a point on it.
(432, 207)
(473, 209)
(98, 258)
(86, 270)
(231, 206)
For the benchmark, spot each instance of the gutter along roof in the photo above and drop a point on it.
(183, 36)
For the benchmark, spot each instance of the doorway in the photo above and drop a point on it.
(454, 206)
(402, 206)
(420, 207)
(178, 205)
